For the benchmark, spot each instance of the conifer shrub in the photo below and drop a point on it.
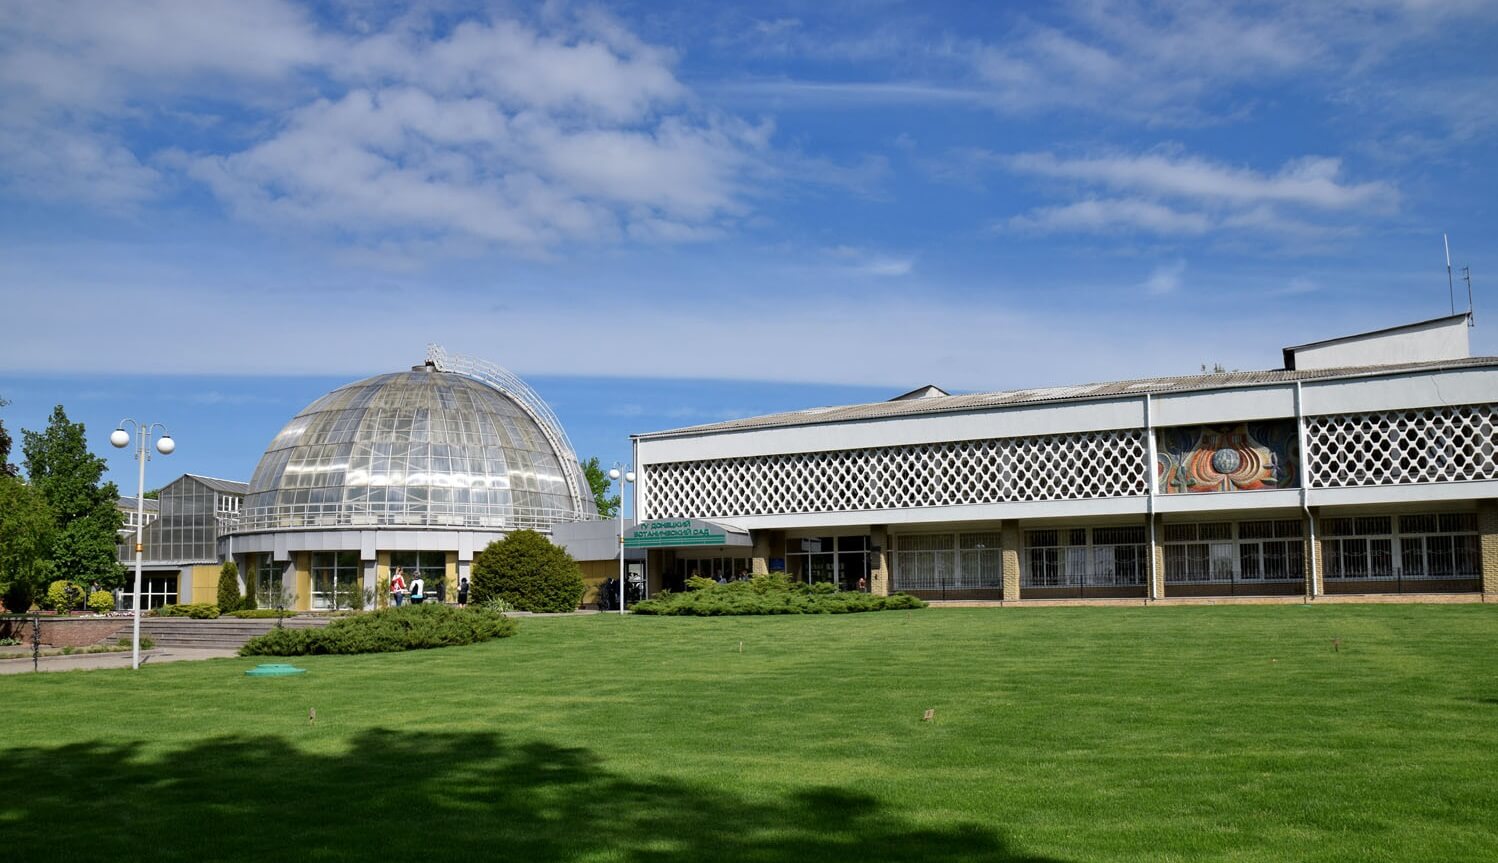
(229, 598)
(410, 627)
(774, 593)
(530, 573)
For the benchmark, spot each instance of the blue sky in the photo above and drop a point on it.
(663, 214)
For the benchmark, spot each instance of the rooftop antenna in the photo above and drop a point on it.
(1450, 285)
(1467, 277)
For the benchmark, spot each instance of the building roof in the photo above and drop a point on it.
(223, 486)
(1046, 395)
(129, 503)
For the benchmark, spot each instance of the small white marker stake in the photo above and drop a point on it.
(930, 715)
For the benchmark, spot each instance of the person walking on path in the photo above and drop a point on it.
(398, 587)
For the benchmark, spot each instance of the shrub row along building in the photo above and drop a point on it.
(1365, 465)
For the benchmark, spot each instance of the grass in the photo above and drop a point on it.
(1060, 734)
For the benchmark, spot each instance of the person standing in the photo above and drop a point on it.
(442, 591)
(418, 590)
(398, 587)
(463, 591)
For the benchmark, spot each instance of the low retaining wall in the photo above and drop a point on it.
(66, 631)
(1338, 599)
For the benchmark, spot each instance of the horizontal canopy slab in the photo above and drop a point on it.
(684, 533)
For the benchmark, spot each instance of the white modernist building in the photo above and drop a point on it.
(1365, 465)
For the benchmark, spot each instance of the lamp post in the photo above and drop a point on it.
(621, 477)
(165, 445)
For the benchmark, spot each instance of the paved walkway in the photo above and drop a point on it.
(120, 659)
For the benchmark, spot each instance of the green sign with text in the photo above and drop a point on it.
(674, 533)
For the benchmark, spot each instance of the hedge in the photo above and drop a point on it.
(195, 610)
(769, 594)
(410, 627)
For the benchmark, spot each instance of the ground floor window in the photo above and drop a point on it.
(267, 576)
(1422, 546)
(336, 580)
(1224, 552)
(839, 560)
(431, 566)
(947, 561)
(156, 590)
(1079, 556)
(715, 568)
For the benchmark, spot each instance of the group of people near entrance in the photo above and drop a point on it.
(416, 591)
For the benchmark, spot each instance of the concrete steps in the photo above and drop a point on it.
(225, 633)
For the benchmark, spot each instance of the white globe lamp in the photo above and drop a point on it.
(119, 438)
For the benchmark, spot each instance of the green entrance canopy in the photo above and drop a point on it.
(683, 533)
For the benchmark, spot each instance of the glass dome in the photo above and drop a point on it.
(418, 448)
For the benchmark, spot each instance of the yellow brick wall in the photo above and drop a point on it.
(303, 580)
(595, 573)
(879, 577)
(1157, 590)
(1487, 527)
(204, 584)
(1009, 539)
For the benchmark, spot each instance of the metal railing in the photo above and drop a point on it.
(432, 515)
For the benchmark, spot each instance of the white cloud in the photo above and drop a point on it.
(1107, 215)
(498, 131)
(1170, 193)
(1311, 181)
(1165, 278)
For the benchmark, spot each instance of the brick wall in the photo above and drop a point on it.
(1487, 527)
(66, 631)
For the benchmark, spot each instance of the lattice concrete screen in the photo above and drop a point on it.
(1445, 444)
(1045, 467)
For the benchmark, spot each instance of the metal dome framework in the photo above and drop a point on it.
(509, 384)
(456, 443)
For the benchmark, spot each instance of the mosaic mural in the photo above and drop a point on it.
(1233, 457)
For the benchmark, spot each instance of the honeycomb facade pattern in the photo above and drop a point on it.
(1445, 444)
(995, 470)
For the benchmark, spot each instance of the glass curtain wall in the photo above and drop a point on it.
(1420, 547)
(1229, 555)
(948, 561)
(336, 580)
(1080, 558)
(839, 560)
(156, 590)
(269, 579)
(430, 565)
(186, 526)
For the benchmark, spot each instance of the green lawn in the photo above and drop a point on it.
(1060, 734)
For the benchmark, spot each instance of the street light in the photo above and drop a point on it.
(621, 477)
(165, 445)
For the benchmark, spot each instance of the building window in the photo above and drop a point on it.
(228, 505)
(1224, 552)
(155, 591)
(948, 561)
(1090, 557)
(336, 580)
(430, 566)
(839, 560)
(1422, 546)
(269, 580)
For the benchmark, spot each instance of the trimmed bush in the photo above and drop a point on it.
(196, 611)
(769, 594)
(411, 627)
(528, 572)
(101, 602)
(229, 598)
(64, 596)
(256, 613)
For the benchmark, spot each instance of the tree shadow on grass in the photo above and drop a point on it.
(433, 797)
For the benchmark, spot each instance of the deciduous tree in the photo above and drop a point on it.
(61, 468)
(598, 483)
